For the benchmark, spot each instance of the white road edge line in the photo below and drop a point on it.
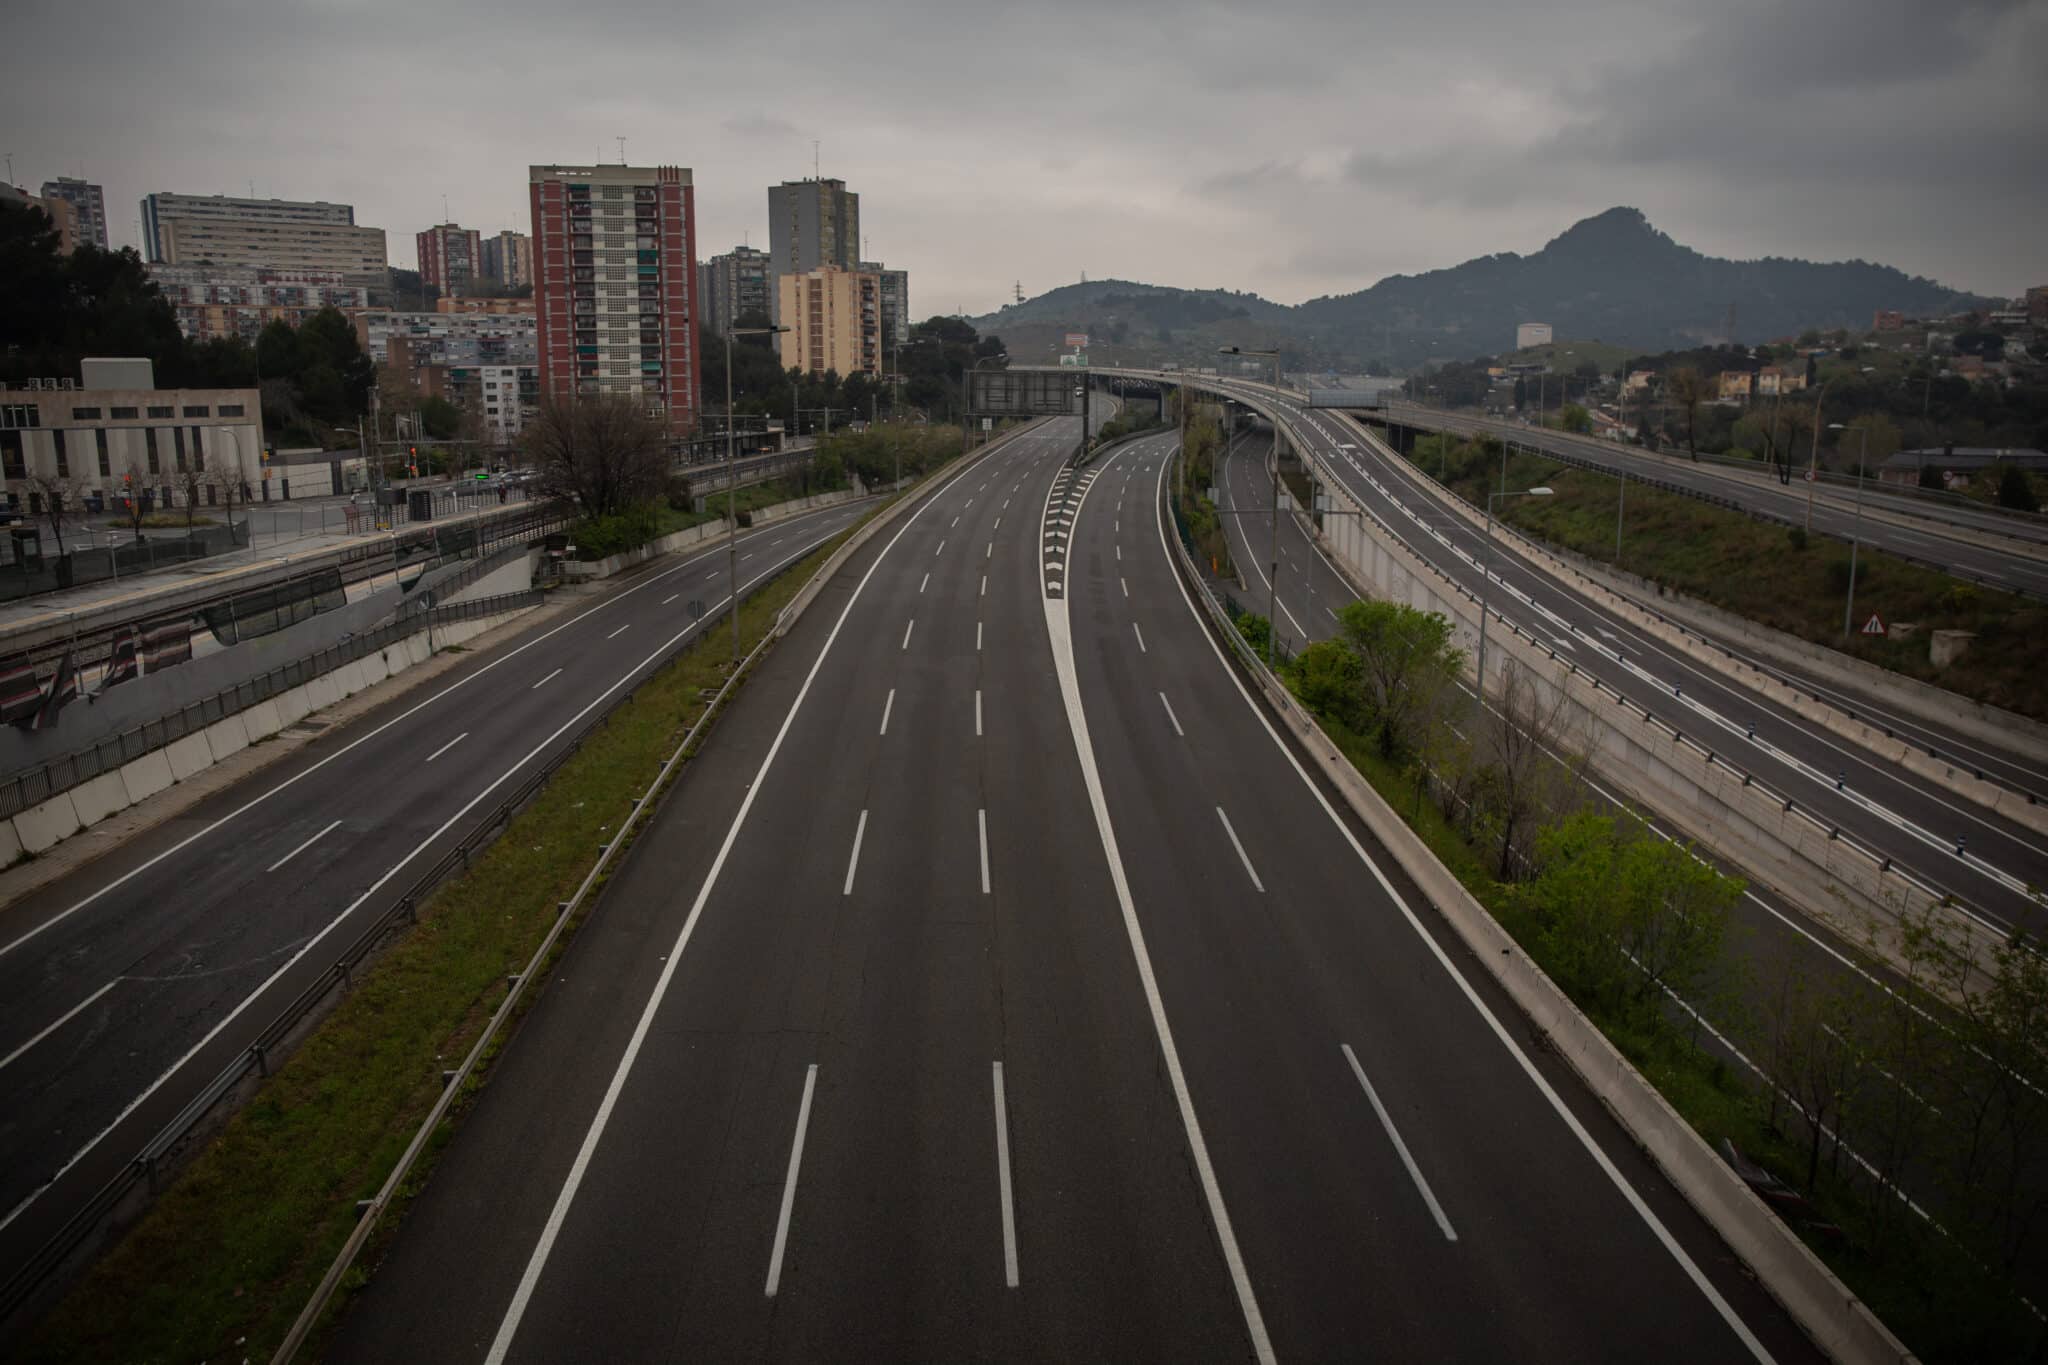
(888, 705)
(376, 886)
(446, 747)
(64, 1019)
(1003, 1179)
(1570, 1120)
(303, 847)
(508, 1326)
(796, 1161)
(1242, 856)
(545, 681)
(1060, 630)
(1387, 1122)
(1172, 717)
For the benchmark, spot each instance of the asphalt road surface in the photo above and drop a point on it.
(129, 984)
(997, 986)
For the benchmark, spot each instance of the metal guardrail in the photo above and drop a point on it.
(33, 786)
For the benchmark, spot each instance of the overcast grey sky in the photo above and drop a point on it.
(1295, 148)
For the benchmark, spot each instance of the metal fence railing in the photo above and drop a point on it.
(32, 786)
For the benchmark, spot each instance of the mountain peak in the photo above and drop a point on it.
(1619, 228)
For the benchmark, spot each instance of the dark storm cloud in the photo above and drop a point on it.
(1297, 148)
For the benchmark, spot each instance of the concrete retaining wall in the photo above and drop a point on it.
(1987, 724)
(1835, 1318)
(45, 825)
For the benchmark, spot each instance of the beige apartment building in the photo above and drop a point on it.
(834, 319)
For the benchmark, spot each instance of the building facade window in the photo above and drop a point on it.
(178, 447)
(106, 464)
(231, 409)
(162, 410)
(196, 410)
(20, 415)
(122, 414)
(149, 440)
(63, 455)
(85, 414)
(11, 463)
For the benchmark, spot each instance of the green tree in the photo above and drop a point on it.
(441, 418)
(1574, 417)
(1405, 659)
(1687, 389)
(57, 309)
(1930, 477)
(2015, 491)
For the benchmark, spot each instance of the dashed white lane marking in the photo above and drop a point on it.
(906, 632)
(620, 631)
(796, 1160)
(1172, 717)
(887, 706)
(303, 847)
(1238, 844)
(1414, 1171)
(446, 747)
(853, 859)
(1141, 638)
(67, 1017)
(977, 712)
(545, 681)
(927, 578)
(981, 824)
(1003, 1181)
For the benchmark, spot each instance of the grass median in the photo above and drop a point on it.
(221, 1264)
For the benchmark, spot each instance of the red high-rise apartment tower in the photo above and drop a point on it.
(450, 256)
(614, 285)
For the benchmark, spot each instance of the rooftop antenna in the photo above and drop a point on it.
(1019, 288)
(622, 151)
(444, 208)
(10, 168)
(814, 158)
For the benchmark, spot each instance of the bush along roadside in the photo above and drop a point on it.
(1901, 1129)
(227, 1256)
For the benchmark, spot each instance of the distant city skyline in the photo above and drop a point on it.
(1234, 156)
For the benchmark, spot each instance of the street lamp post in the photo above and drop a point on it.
(732, 539)
(1273, 580)
(1486, 572)
(1813, 465)
(1856, 527)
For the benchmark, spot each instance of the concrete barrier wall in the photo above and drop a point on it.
(1836, 1319)
(43, 826)
(604, 568)
(782, 510)
(1986, 723)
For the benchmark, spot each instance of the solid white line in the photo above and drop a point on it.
(545, 681)
(1514, 1049)
(1003, 1179)
(927, 579)
(303, 847)
(446, 747)
(307, 947)
(66, 1018)
(620, 631)
(1060, 631)
(796, 1160)
(906, 632)
(1387, 1122)
(853, 859)
(508, 1326)
(1238, 844)
(1172, 717)
(887, 706)
(1141, 638)
(981, 821)
(977, 711)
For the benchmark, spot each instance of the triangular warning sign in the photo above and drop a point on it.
(1874, 626)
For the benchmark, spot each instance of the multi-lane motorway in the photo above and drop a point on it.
(1949, 845)
(2006, 551)
(999, 986)
(128, 984)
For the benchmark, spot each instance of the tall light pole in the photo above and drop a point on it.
(1486, 572)
(1856, 531)
(1813, 465)
(732, 482)
(966, 406)
(1273, 580)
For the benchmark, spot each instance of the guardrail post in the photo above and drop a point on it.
(262, 1059)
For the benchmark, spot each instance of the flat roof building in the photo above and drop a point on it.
(734, 285)
(812, 225)
(264, 234)
(88, 204)
(615, 285)
(835, 322)
(450, 256)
